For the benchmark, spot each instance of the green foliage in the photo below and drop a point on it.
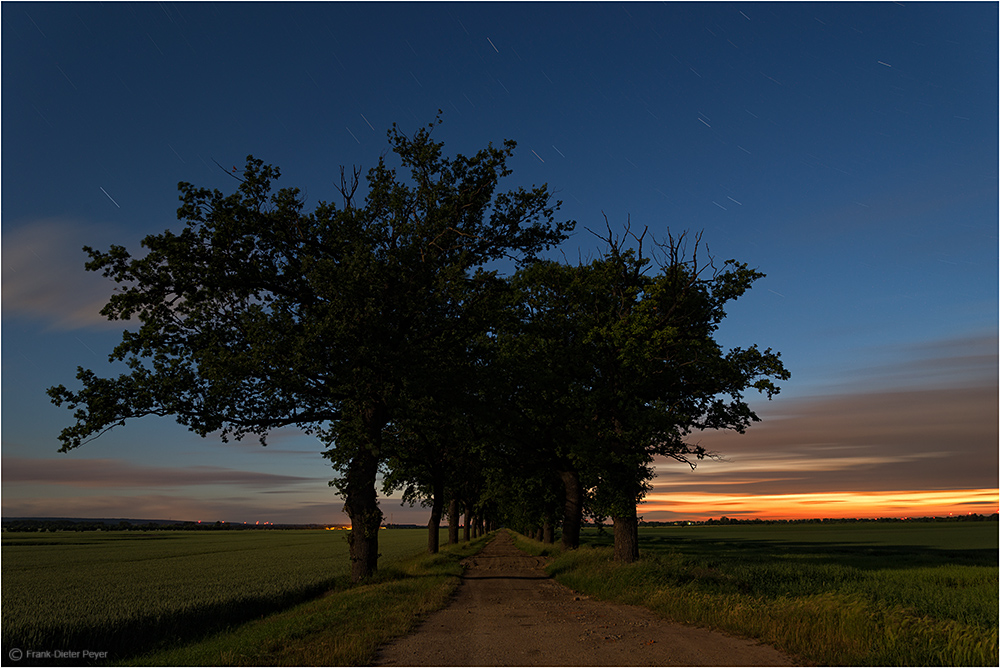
(614, 361)
(258, 314)
(342, 321)
(913, 594)
(124, 591)
(376, 326)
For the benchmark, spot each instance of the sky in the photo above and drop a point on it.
(847, 150)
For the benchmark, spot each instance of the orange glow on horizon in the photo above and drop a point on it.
(916, 503)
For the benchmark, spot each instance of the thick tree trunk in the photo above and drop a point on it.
(626, 537)
(434, 525)
(361, 505)
(467, 529)
(453, 522)
(573, 510)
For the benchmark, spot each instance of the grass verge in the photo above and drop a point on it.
(823, 613)
(343, 628)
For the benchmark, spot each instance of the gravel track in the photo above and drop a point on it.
(508, 612)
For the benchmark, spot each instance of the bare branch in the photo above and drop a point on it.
(347, 189)
(230, 173)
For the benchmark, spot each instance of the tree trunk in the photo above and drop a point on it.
(453, 522)
(361, 505)
(468, 524)
(434, 525)
(626, 537)
(573, 510)
(548, 533)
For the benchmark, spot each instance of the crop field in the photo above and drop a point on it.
(834, 594)
(843, 594)
(127, 591)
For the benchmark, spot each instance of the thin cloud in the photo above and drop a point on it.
(942, 436)
(44, 276)
(174, 507)
(969, 361)
(935, 439)
(115, 473)
(236, 509)
(805, 461)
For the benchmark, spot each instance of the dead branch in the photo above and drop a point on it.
(229, 173)
(346, 189)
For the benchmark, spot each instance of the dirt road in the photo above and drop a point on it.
(508, 612)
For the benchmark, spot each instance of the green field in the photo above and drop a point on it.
(842, 594)
(129, 591)
(833, 594)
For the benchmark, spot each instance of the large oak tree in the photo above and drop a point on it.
(658, 371)
(258, 314)
(626, 367)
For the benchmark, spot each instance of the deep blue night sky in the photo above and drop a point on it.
(847, 150)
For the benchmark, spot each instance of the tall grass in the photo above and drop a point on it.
(839, 602)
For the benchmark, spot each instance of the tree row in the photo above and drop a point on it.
(418, 331)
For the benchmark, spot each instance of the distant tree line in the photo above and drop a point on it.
(539, 533)
(531, 397)
(30, 525)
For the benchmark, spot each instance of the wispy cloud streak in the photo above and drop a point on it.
(179, 508)
(915, 503)
(114, 473)
(935, 434)
(44, 276)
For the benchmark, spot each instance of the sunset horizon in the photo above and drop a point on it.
(657, 507)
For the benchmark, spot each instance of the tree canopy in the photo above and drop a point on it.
(377, 325)
(624, 366)
(258, 314)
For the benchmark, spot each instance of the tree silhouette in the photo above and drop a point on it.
(624, 366)
(258, 314)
